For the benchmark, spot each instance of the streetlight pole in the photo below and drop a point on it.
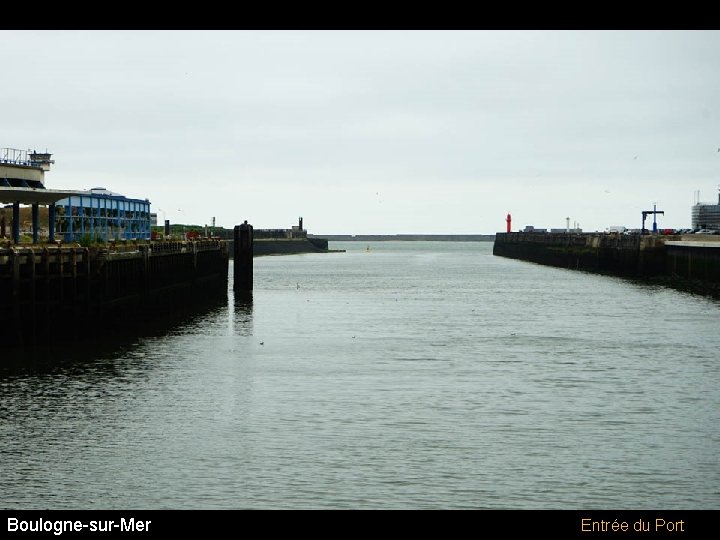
(183, 225)
(166, 230)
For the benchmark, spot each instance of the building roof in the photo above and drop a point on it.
(35, 195)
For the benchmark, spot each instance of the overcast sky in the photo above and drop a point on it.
(375, 132)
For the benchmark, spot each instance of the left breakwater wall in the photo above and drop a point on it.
(285, 246)
(289, 246)
(58, 293)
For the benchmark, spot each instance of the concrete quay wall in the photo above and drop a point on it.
(697, 261)
(685, 262)
(628, 255)
(59, 293)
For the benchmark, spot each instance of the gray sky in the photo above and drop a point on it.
(375, 132)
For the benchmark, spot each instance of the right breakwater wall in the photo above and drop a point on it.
(685, 262)
(627, 255)
(698, 260)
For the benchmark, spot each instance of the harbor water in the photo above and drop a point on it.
(395, 375)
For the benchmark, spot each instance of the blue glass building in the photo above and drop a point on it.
(100, 214)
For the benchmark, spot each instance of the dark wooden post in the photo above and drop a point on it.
(33, 296)
(243, 255)
(16, 296)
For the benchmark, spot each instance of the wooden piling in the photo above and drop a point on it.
(33, 296)
(16, 296)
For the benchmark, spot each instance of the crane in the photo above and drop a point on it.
(654, 212)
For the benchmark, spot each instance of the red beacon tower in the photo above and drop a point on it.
(508, 220)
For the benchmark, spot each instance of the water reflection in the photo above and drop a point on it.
(98, 350)
(240, 315)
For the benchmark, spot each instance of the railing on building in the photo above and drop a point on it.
(27, 158)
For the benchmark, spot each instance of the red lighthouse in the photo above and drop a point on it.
(508, 220)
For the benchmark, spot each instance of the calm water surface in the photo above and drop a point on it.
(413, 375)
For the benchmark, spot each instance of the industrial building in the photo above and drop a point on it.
(706, 215)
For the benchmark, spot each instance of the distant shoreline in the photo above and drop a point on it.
(406, 237)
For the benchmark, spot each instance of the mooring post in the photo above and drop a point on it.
(243, 255)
